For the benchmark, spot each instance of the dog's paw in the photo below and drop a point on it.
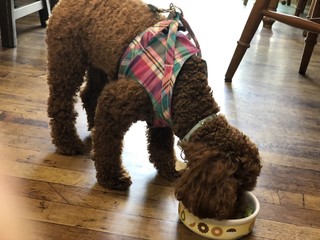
(117, 183)
(172, 175)
(71, 148)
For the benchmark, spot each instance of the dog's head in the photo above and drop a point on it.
(222, 164)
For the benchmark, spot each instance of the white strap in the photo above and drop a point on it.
(199, 124)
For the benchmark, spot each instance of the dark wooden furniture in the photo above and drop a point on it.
(259, 11)
(9, 14)
(301, 5)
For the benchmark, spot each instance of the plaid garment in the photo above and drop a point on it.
(154, 59)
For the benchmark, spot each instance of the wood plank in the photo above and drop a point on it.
(19, 91)
(21, 81)
(49, 174)
(93, 219)
(284, 184)
(277, 230)
(140, 205)
(63, 176)
(86, 165)
(15, 121)
(35, 190)
(289, 214)
(22, 99)
(9, 66)
(37, 144)
(51, 231)
(77, 163)
(115, 201)
(86, 179)
(312, 175)
(290, 161)
(283, 229)
(104, 221)
(286, 198)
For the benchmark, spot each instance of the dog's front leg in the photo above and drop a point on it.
(161, 152)
(120, 104)
(107, 137)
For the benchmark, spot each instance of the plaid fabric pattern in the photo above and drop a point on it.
(154, 58)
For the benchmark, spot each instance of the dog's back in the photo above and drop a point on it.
(86, 36)
(102, 29)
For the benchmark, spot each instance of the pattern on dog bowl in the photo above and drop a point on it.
(225, 229)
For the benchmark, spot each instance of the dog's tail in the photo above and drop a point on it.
(96, 79)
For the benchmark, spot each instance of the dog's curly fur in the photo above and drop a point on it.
(89, 37)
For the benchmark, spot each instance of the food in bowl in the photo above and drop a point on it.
(223, 229)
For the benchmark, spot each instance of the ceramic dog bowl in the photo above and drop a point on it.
(224, 229)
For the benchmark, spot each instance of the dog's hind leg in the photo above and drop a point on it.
(120, 104)
(161, 152)
(65, 76)
(96, 80)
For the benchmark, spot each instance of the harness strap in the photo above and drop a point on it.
(172, 14)
(191, 33)
(154, 58)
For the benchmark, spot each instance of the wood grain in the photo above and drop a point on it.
(268, 100)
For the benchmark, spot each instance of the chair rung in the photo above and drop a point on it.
(27, 9)
(294, 21)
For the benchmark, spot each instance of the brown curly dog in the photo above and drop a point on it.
(86, 36)
(85, 42)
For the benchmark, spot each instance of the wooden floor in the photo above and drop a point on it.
(58, 196)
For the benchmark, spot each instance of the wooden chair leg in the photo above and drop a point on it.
(7, 24)
(310, 42)
(310, 12)
(44, 13)
(301, 5)
(311, 39)
(53, 3)
(249, 30)
(268, 22)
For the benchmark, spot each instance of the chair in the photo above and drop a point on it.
(301, 5)
(261, 10)
(9, 14)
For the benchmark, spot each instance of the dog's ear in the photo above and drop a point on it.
(208, 187)
(249, 167)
